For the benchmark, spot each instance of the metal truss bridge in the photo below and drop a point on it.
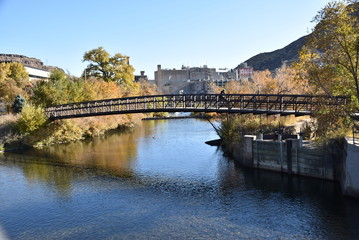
(221, 103)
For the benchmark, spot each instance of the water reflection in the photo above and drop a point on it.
(158, 182)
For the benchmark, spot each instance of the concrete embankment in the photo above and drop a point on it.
(288, 156)
(339, 162)
(350, 171)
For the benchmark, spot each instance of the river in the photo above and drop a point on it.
(162, 181)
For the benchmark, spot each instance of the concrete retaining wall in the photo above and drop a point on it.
(350, 179)
(286, 156)
(339, 163)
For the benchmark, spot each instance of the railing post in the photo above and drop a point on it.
(254, 103)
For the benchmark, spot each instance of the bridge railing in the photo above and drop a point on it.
(242, 103)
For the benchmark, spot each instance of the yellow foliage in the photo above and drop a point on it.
(31, 119)
(266, 82)
(99, 89)
(13, 81)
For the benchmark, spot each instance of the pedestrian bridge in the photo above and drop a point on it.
(297, 105)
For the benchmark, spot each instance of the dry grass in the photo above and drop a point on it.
(7, 133)
(6, 122)
(8, 118)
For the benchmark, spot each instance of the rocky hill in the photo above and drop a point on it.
(275, 59)
(27, 61)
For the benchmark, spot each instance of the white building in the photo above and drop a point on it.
(36, 74)
(36, 68)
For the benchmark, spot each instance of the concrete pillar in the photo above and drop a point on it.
(300, 140)
(289, 155)
(260, 135)
(280, 151)
(248, 151)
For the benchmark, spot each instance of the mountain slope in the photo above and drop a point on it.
(273, 60)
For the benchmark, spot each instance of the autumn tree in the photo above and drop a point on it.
(116, 68)
(266, 82)
(330, 58)
(13, 80)
(284, 77)
(98, 89)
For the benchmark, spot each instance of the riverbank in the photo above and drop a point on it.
(62, 131)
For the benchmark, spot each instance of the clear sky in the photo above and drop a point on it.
(217, 33)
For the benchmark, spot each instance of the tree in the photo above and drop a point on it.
(31, 119)
(99, 89)
(18, 104)
(329, 60)
(19, 74)
(266, 82)
(13, 80)
(114, 68)
(284, 77)
(59, 89)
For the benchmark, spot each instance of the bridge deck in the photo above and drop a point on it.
(227, 103)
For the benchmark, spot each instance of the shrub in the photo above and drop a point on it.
(31, 119)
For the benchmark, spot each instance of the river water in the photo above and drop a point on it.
(162, 182)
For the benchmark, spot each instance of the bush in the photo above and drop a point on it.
(31, 119)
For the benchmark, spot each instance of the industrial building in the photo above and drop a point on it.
(197, 80)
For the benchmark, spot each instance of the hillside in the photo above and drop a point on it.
(27, 61)
(273, 60)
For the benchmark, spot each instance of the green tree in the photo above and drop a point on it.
(18, 104)
(59, 89)
(115, 68)
(330, 59)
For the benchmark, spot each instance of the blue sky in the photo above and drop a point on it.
(167, 32)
